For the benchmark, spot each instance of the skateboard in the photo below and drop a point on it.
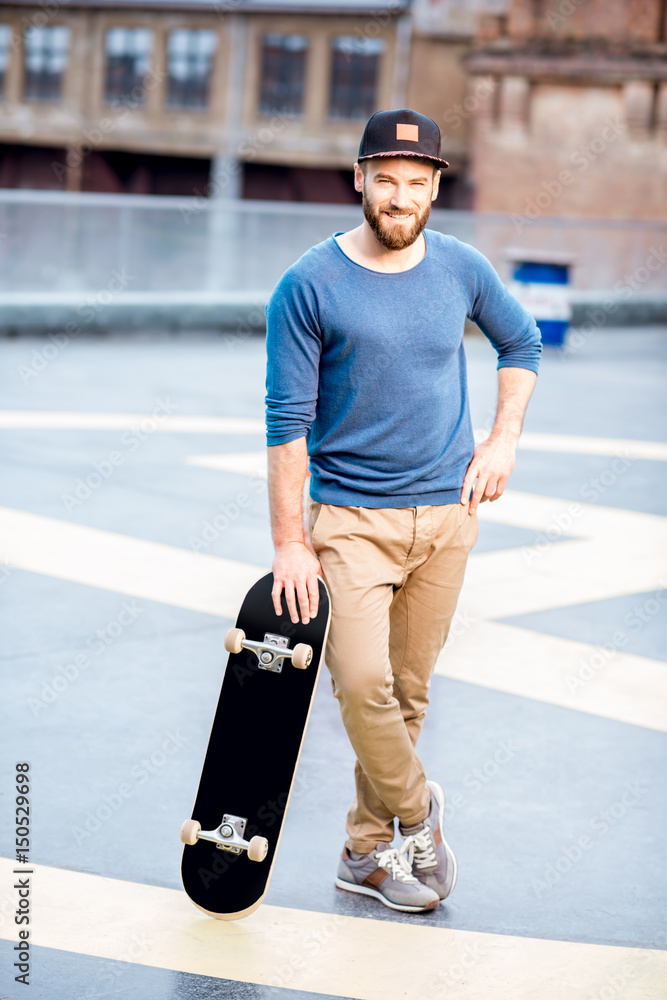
(253, 753)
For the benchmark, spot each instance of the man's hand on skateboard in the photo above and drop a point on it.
(295, 570)
(267, 691)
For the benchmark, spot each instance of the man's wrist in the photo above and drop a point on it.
(508, 435)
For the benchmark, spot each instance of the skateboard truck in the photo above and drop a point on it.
(271, 653)
(226, 837)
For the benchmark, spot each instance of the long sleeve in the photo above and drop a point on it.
(293, 344)
(501, 317)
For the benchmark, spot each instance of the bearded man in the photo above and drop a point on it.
(366, 377)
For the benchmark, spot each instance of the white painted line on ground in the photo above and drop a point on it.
(653, 451)
(49, 420)
(613, 447)
(501, 584)
(627, 555)
(126, 565)
(601, 680)
(614, 553)
(302, 949)
(242, 463)
(530, 441)
(617, 552)
(254, 463)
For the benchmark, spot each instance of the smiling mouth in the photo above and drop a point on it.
(391, 216)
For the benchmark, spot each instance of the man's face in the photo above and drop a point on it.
(397, 192)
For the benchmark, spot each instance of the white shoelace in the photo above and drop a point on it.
(393, 862)
(419, 849)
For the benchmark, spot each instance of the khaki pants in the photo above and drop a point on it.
(394, 575)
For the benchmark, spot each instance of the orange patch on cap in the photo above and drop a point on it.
(409, 132)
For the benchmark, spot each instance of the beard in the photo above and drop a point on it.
(393, 237)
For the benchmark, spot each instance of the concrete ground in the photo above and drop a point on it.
(133, 514)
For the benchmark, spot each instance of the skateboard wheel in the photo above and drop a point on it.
(234, 640)
(302, 655)
(257, 848)
(189, 831)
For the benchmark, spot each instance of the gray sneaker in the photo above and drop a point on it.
(425, 849)
(385, 874)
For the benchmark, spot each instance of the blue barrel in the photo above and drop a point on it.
(542, 286)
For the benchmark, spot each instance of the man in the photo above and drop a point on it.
(367, 376)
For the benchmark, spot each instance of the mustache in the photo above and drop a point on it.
(396, 239)
(399, 213)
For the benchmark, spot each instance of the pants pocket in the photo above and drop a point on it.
(314, 511)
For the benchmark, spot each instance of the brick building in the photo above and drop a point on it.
(258, 98)
(553, 107)
(577, 122)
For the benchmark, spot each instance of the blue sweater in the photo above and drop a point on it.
(371, 368)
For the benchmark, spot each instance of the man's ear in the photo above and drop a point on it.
(436, 185)
(358, 178)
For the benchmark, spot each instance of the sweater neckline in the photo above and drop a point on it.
(370, 270)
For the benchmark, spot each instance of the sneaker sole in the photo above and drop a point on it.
(365, 890)
(440, 798)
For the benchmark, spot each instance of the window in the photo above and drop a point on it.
(128, 52)
(354, 73)
(46, 52)
(5, 39)
(283, 74)
(190, 60)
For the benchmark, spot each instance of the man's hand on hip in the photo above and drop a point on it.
(491, 466)
(295, 570)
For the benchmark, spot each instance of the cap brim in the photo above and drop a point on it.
(405, 152)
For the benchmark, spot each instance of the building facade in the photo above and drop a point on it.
(547, 107)
(245, 97)
(577, 122)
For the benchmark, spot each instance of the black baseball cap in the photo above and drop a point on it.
(401, 132)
